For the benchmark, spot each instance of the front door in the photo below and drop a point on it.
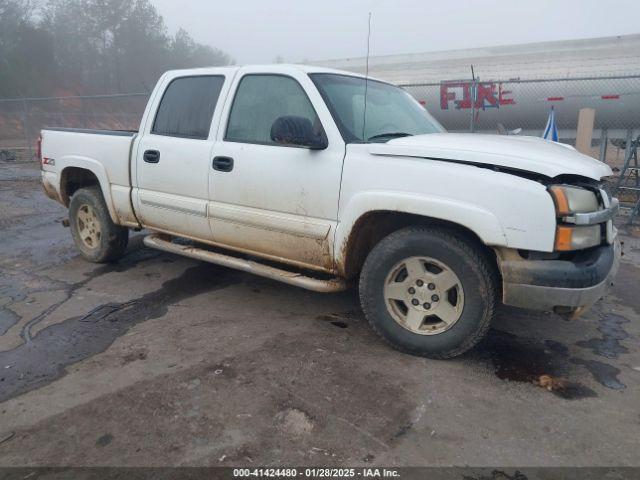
(280, 201)
(173, 158)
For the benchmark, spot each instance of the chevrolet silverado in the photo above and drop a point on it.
(325, 179)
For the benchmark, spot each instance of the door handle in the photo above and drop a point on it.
(223, 164)
(151, 156)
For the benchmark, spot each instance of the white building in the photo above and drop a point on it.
(605, 73)
(611, 56)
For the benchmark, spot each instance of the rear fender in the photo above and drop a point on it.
(95, 167)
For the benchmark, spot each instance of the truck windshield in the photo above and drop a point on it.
(391, 112)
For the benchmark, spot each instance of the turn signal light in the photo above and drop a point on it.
(563, 239)
(562, 203)
(577, 238)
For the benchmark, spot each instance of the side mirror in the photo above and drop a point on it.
(297, 131)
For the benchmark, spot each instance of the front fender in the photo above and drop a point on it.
(477, 219)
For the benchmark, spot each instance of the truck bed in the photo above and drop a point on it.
(104, 153)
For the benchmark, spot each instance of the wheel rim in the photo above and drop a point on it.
(88, 227)
(424, 295)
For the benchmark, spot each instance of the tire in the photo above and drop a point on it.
(447, 320)
(94, 233)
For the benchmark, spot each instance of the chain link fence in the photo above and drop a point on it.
(460, 105)
(22, 119)
(506, 105)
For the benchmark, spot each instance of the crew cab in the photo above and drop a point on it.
(325, 180)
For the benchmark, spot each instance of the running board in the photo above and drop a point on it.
(292, 278)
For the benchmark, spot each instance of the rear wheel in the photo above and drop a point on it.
(94, 233)
(428, 291)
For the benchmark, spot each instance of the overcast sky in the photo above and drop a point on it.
(256, 31)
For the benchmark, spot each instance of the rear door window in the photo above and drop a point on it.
(187, 106)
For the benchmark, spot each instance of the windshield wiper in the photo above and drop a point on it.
(391, 134)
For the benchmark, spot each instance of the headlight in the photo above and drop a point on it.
(568, 201)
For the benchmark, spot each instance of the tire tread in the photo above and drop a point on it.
(117, 236)
(480, 260)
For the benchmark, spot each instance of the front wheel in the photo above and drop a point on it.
(428, 291)
(94, 233)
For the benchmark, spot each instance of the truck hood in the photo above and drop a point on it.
(529, 154)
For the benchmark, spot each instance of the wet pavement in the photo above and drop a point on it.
(162, 360)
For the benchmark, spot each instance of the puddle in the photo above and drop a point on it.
(603, 373)
(44, 357)
(339, 324)
(334, 320)
(7, 320)
(557, 347)
(564, 388)
(104, 440)
(18, 286)
(518, 360)
(611, 328)
(135, 255)
(338, 319)
(544, 365)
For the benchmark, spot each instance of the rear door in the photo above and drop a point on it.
(173, 155)
(276, 200)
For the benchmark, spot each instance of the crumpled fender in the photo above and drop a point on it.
(477, 219)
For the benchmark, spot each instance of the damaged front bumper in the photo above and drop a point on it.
(565, 286)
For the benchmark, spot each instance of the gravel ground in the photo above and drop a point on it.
(161, 360)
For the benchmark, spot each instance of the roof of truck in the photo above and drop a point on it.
(282, 67)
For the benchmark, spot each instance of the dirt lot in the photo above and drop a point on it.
(161, 360)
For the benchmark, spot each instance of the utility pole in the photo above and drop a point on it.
(25, 127)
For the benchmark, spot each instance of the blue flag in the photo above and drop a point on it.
(551, 130)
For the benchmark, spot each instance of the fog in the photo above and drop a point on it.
(257, 31)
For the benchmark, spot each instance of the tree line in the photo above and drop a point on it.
(83, 47)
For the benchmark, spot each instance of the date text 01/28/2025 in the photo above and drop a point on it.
(315, 472)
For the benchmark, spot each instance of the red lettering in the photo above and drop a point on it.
(466, 97)
(502, 96)
(446, 96)
(488, 95)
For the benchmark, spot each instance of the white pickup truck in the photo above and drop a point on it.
(324, 179)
